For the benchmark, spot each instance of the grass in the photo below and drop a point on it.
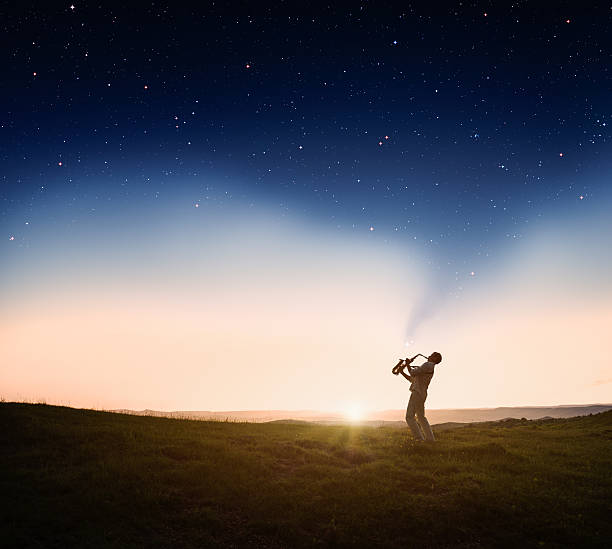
(80, 478)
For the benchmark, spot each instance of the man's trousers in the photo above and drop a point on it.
(416, 407)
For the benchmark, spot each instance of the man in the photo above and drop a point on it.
(419, 377)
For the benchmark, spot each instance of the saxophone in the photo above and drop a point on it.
(403, 362)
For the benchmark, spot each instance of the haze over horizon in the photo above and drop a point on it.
(254, 213)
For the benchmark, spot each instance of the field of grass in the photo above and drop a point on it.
(81, 478)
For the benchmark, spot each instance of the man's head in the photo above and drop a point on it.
(436, 358)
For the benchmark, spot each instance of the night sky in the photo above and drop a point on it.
(450, 136)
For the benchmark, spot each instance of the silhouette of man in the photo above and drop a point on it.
(419, 377)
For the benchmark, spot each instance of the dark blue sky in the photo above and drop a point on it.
(455, 127)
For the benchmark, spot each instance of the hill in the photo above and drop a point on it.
(81, 478)
(460, 415)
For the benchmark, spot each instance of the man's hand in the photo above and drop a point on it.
(406, 363)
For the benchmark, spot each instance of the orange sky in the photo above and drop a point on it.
(285, 317)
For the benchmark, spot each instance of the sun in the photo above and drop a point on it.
(354, 412)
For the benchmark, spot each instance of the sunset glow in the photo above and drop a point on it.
(354, 412)
(280, 316)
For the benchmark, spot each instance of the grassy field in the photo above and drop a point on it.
(80, 478)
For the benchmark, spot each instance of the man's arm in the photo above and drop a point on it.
(405, 375)
(425, 368)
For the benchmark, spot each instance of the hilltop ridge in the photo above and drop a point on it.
(101, 479)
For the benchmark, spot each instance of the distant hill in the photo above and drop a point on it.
(459, 415)
(472, 415)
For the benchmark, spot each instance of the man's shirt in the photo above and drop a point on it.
(421, 376)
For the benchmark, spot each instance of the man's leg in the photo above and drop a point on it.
(420, 414)
(410, 411)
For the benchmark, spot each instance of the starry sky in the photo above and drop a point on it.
(210, 211)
